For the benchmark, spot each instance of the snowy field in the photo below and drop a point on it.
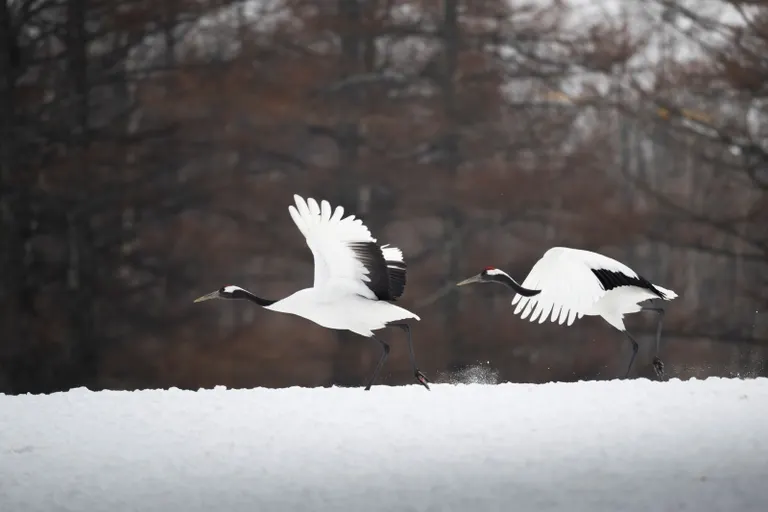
(591, 446)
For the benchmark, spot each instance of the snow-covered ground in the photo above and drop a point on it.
(591, 446)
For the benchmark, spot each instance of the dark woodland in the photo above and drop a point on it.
(150, 149)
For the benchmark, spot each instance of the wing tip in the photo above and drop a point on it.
(666, 293)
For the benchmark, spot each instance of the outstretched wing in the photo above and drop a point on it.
(571, 281)
(347, 257)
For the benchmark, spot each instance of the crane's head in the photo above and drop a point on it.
(225, 292)
(488, 275)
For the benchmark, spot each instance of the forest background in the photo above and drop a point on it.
(149, 151)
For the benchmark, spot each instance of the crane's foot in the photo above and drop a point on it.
(658, 367)
(423, 380)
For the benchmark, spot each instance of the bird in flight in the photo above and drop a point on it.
(355, 284)
(574, 283)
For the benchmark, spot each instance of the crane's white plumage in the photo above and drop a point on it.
(566, 284)
(570, 289)
(355, 279)
(346, 256)
(328, 235)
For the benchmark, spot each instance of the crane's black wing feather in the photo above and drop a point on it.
(610, 279)
(386, 277)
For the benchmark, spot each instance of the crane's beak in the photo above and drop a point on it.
(212, 295)
(473, 279)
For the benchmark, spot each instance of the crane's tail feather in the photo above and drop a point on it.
(667, 294)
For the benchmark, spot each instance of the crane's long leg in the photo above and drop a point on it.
(658, 365)
(383, 358)
(420, 377)
(634, 352)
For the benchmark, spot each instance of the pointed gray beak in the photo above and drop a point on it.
(212, 295)
(473, 279)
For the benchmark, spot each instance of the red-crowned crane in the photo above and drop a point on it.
(574, 283)
(356, 280)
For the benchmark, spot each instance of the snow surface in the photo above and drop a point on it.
(631, 445)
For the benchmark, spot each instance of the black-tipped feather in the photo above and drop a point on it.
(387, 278)
(610, 280)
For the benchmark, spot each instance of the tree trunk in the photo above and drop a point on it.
(450, 140)
(353, 351)
(80, 278)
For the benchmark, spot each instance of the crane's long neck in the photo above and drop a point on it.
(503, 278)
(245, 294)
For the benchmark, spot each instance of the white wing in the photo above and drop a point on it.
(329, 237)
(568, 287)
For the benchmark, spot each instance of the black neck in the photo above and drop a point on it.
(245, 294)
(511, 283)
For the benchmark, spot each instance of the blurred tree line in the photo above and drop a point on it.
(150, 149)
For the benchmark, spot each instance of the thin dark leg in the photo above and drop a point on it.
(380, 363)
(634, 351)
(658, 365)
(420, 377)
